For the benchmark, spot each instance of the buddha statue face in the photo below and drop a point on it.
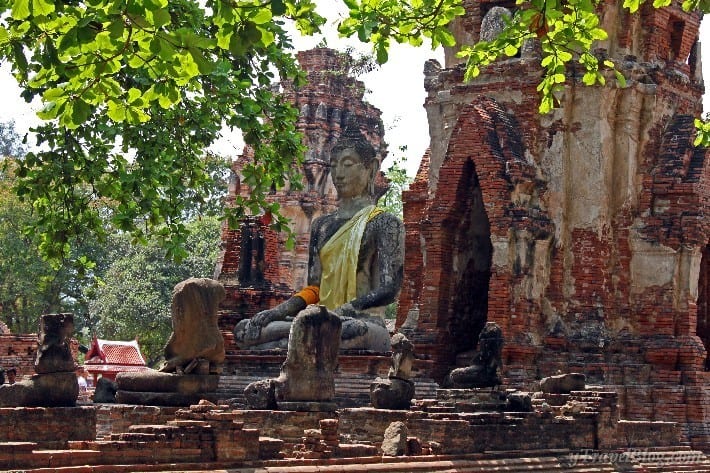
(353, 165)
(351, 175)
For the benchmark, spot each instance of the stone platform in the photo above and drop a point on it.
(356, 371)
(207, 437)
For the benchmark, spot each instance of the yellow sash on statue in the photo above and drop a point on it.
(338, 258)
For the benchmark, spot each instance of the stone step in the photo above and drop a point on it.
(270, 448)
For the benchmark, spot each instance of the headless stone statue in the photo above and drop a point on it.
(54, 384)
(307, 381)
(484, 371)
(397, 390)
(196, 334)
(355, 260)
(193, 355)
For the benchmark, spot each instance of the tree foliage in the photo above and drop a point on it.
(135, 90)
(392, 201)
(29, 285)
(11, 145)
(115, 289)
(398, 182)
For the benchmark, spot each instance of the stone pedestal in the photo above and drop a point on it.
(392, 393)
(55, 383)
(155, 388)
(41, 390)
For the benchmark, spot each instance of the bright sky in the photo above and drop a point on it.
(396, 88)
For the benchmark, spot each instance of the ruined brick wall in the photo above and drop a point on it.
(48, 427)
(117, 418)
(18, 351)
(597, 216)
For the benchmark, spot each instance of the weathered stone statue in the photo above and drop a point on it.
(484, 371)
(397, 391)
(193, 355)
(355, 261)
(196, 339)
(55, 383)
(306, 382)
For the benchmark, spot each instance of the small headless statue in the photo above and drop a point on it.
(355, 260)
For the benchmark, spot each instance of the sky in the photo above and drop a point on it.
(396, 88)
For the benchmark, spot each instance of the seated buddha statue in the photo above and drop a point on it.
(355, 260)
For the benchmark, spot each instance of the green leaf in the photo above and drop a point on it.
(53, 94)
(277, 7)
(267, 37)
(20, 9)
(116, 28)
(382, 54)
(42, 7)
(133, 94)
(80, 111)
(261, 16)
(161, 18)
(116, 111)
(203, 65)
(589, 78)
(620, 79)
(632, 5)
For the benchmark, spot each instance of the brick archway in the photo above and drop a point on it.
(468, 229)
(452, 282)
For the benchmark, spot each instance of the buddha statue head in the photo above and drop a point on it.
(354, 164)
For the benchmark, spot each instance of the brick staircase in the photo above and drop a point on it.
(74, 461)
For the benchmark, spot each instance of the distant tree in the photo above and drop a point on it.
(134, 297)
(29, 285)
(392, 201)
(398, 182)
(11, 145)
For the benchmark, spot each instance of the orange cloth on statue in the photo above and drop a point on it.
(310, 294)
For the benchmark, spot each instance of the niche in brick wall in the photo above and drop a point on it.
(703, 330)
(471, 253)
(676, 40)
(251, 260)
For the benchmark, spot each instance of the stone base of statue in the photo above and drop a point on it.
(563, 383)
(41, 390)
(391, 393)
(475, 376)
(162, 399)
(307, 375)
(306, 406)
(156, 388)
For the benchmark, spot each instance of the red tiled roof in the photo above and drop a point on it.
(92, 368)
(111, 352)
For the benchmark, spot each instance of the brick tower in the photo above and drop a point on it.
(583, 233)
